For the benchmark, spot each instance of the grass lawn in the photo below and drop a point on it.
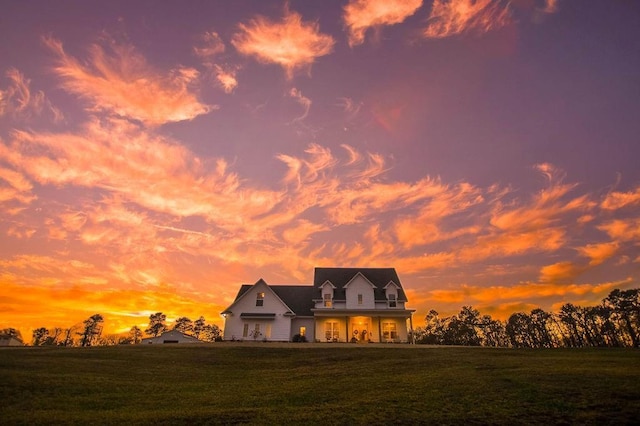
(263, 383)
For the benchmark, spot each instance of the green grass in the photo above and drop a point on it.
(309, 384)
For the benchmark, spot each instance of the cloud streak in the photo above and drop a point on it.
(361, 15)
(453, 17)
(118, 80)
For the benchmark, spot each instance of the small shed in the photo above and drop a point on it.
(173, 336)
(10, 340)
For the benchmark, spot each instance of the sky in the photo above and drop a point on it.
(154, 156)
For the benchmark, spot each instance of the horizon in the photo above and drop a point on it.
(155, 157)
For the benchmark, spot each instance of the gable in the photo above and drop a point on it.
(340, 278)
(292, 299)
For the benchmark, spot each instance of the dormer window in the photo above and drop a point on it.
(327, 300)
(260, 299)
(392, 300)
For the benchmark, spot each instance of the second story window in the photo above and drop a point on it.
(327, 300)
(260, 299)
(392, 300)
(359, 299)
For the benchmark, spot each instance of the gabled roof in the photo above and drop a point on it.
(339, 277)
(298, 298)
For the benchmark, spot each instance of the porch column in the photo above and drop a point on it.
(346, 326)
(413, 337)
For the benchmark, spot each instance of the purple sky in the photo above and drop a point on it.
(156, 155)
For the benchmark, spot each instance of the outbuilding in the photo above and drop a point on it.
(173, 336)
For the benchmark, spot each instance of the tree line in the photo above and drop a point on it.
(89, 332)
(613, 323)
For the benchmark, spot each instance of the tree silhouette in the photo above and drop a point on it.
(40, 336)
(184, 325)
(135, 334)
(92, 329)
(156, 324)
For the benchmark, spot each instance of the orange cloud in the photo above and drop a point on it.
(226, 77)
(15, 186)
(119, 157)
(560, 272)
(290, 43)
(622, 229)
(117, 79)
(598, 253)
(618, 200)
(453, 17)
(20, 101)
(360, 15)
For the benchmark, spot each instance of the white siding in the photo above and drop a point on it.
(360, 286)
(278, 328)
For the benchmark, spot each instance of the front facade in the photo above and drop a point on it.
(342, 305)
(172, 336)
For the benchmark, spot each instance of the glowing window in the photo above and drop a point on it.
(327, 300)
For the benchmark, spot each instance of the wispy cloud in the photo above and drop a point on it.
(226, 77)
(290, 43)
(302, 100)
(360, 15)
(617, 200)
(19, 101)
(453, 17)
(118, 156)
(116, 79)
(212, 45)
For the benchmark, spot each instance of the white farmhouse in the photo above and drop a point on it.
(342, 305)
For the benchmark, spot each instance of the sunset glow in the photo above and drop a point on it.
(156, 158)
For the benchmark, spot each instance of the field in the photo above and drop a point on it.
(265, 383)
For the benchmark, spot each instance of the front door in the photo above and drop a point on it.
(360, 329)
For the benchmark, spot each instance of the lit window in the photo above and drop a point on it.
(359, 299)
(392, 300)
(303, 331)
(260, 299)
(245, 330)
(389, 331)
(331, 332)
(327, 300)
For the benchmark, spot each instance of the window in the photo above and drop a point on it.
(245, 330)
(389, 331)
(359, 299)
(327, 300)
(392, 300)
(331, 332)
(260, 299)
(303, 331)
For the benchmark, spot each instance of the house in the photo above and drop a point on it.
(342, 305)
(173, 336)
